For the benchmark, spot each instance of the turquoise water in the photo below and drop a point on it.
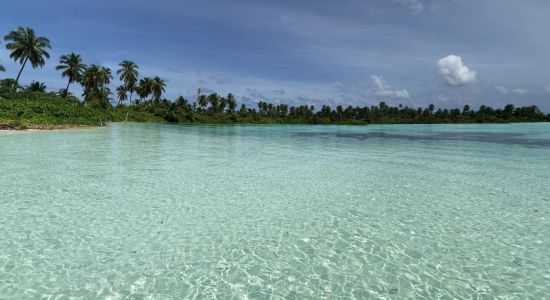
(136, 211)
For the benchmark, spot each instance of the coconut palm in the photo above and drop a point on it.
(203, 101)
(182, 102)
(214, 101)
(105, 76)
(2, 69)
(222, 104)
(26, 46)
(36, 86)
(231, 103)
(144, 88)
(243, 111)
(199, 93)
(72, 67)
(129, 74)
(158, 88)
(104, 94)
(94, 79)
(90, 79)
(122, 95)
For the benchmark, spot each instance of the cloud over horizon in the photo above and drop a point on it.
(384, 90)
(294, 51)
(455, 72)
(506, 91)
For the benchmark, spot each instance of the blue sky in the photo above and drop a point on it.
(414, 52)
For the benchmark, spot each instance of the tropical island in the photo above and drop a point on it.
(247, 149)
(140, 99)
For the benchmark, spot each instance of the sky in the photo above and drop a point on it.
(355, 52)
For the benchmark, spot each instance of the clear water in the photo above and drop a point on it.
(299, 212)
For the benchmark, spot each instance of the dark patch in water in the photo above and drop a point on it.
(484, 137)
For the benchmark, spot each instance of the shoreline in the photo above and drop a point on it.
(6, 127)
(30, 128)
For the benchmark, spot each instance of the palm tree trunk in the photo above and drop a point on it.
(19, 74)
(131, 92)
(67, 89)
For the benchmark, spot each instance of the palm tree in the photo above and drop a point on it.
(104, 94)
(183, 103)
(2, 69)
(199, 92)
(26, 46)
(203, 101)
(466, 109)
(105, 76)
(158, 88)
(94, 80)
(243, 111)
(121, 94)
(222, 104)
(214, 101)
(72, 67)
(431, 108)
(36, 86)
(144, 88)
(231, 103)
(90, 79)
(129, 74)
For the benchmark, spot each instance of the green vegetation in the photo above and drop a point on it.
(73, 68)
(33, 106)
(26, 46)
(215, 109)
(129, 75)
(47, 110)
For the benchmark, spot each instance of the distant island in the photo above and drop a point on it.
(140, 99)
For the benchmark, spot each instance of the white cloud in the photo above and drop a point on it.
(506, 91)
(414, 5)
(382, 89)
(455, 72)
(501, 89)
(519, 91)
(547, 88)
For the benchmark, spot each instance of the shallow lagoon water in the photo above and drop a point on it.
(137, 211)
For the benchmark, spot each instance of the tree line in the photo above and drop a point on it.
(27, 47)
(144, 94)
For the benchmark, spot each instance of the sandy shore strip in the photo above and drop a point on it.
(6, 128)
